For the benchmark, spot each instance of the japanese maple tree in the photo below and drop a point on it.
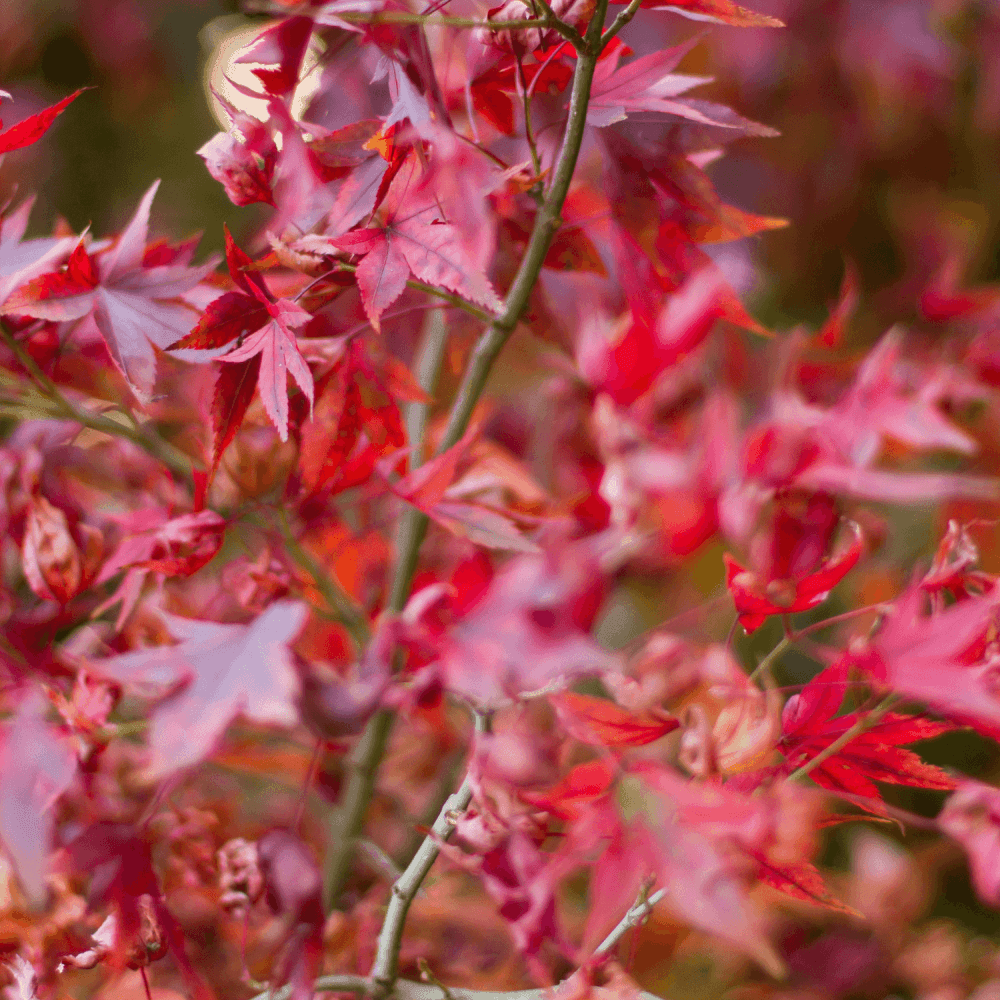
(299, 601)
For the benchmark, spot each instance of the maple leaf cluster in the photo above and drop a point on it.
(292, 609)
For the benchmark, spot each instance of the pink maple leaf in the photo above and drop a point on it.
(645, 84)
(412, 240)
(972, 817)
(217, 672)
(37, 765)
(938, 659)
(132, 306)
(280, 356)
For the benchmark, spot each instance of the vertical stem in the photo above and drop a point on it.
(413, 524)
(367, 754)
(371, 747)
(496, 335)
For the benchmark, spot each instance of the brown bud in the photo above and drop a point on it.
(56, 564)
(239, 875)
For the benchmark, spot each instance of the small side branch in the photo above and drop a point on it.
(386, 966)
(620, 21)
(633, 918)
(173, 458)
(862, 725)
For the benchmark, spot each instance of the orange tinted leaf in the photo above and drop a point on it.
(733, 223)
(802, 880)
(233, 391)
(600, 722)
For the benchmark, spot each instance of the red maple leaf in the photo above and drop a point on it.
(282, 46)
(601, 722)
(217, 672)
(810, 724)
(119, 861)
(544, 71)
(26, 132)
(801, 880)
(427, 488)
(267, 350)
(356, 418)
(756, 599)
(133, 306)
(411, 240)
(158, 543)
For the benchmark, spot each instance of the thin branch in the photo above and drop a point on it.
(306, 785)
(451, 769)
(173, 458)
(635, 916)
(522, 86)
(406, 989)
(427, 369)
(902, 816)
(547, 221)
(620, 21)
(386, 965)
(333, 984)
(362, 772)
(456, 300)
(557, 24)
(770, 659)
(371, 747)
(550, 21)
(881, 608)
(364, 761)
(863, 724)
(421, 286)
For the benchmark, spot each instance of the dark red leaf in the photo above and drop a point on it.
(234, 389)
(810, 724)
(224, 319)
(756, 599)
